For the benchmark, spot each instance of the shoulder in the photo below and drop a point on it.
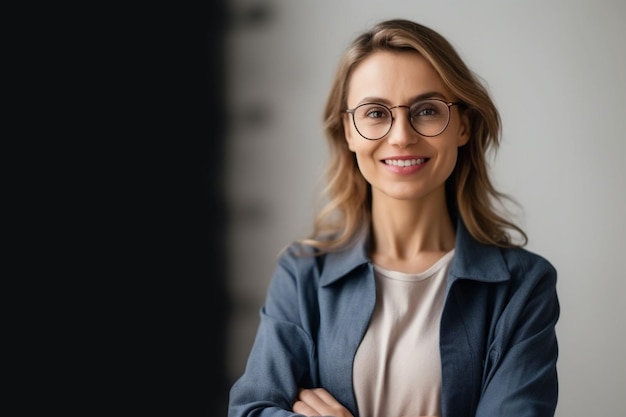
(522, 262)
(327, 266)
(298, 256)
(532, 280)
(300, 273)
(491, 263)
(298, 269)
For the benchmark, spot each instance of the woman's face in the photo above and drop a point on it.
(402, 78)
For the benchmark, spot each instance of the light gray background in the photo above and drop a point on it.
(556, 70)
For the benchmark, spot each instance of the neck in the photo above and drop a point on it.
(409, 235)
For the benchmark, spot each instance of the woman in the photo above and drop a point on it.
(413, 296)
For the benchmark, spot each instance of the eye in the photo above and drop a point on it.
(375, 112)
(427, 112)
(372, 113)
(426, 109)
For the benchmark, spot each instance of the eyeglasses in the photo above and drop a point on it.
(427, 117)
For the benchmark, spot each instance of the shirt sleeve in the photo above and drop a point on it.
(521, 376)
(281, 357)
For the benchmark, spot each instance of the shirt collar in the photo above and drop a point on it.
(472, 259)
(477, 261)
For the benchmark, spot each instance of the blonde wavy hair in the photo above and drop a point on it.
(470, 192)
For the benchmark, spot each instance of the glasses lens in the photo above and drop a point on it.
(429, 117)
(372, 120)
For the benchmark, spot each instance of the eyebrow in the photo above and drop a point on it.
(423, 96)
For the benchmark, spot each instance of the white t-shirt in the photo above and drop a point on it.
(397, 367)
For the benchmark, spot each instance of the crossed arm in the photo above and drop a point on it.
(318, 402)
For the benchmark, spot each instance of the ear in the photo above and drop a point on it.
(348, 131)
(464, 128)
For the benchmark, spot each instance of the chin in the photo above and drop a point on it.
(413, 193)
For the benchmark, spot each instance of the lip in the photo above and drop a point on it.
(399, 165)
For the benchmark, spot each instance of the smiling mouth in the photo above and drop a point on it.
(405, 162)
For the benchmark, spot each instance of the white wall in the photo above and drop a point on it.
(556, 69)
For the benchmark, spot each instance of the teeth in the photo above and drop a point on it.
(404, 162)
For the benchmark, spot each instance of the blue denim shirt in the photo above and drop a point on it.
(497, 334)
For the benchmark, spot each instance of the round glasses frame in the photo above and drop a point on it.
(447, 103)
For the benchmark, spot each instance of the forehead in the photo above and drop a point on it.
(395, 77)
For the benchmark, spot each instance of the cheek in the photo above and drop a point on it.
(365, 168)
(447, 155)
(365, 160)
(451, 160)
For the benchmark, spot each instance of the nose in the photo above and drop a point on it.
(402, 133)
